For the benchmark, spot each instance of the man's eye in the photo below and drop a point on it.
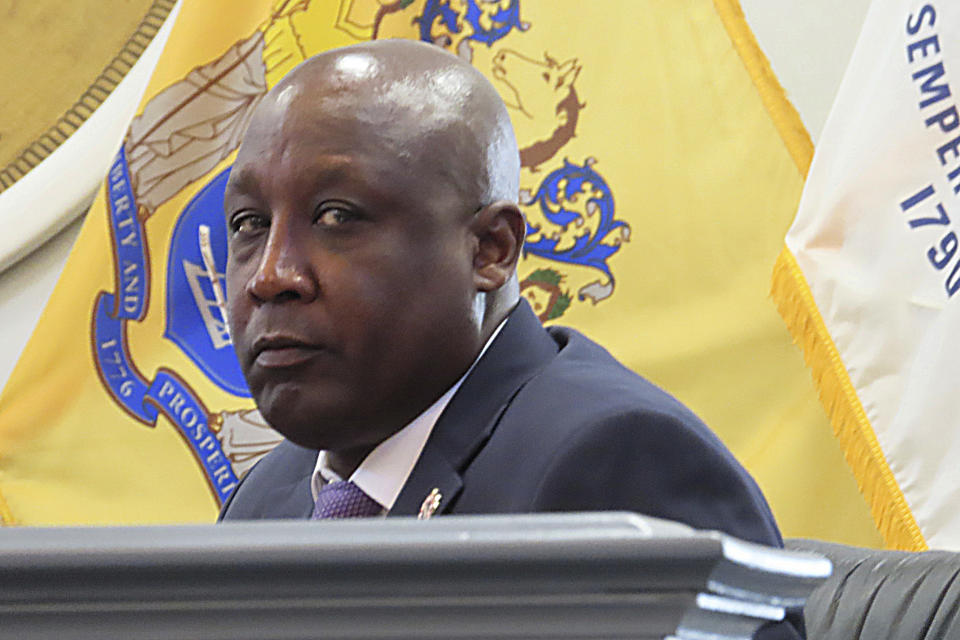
(247, 223)
(334, 216)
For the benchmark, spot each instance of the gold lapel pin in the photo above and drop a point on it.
(430, 504)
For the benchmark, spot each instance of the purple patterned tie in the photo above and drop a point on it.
(344, 500)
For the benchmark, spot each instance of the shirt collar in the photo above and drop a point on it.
(385, 470)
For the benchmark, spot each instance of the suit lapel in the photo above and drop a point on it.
(290, 468)
(432, 471)
(291, 501)
(515, 356)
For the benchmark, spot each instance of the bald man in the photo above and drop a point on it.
(373, 302)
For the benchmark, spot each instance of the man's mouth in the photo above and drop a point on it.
(276, 352)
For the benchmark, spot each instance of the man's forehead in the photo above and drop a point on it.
(311, 160)
(395, 120)
(411, 103)
(312, 167)
(312, 126)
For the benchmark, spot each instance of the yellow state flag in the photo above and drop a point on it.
(661, 167)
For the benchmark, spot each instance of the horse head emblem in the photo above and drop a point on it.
(545, 93)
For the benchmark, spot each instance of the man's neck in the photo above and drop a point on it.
(344, 463)
(497, 306)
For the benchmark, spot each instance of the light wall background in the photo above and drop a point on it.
(808, 42)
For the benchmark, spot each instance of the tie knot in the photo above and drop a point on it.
(344, 500)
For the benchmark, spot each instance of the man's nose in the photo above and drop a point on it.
(284, 273)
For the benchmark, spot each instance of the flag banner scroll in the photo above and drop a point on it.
(869, 280)
(661, 167)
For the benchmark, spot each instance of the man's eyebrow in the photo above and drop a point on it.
(242, 182)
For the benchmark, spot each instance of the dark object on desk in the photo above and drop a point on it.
(884, 595)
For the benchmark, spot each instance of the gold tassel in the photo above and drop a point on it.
(6, 517)
(782, 112)
(887, 503)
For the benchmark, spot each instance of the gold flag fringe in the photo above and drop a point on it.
(887, 503)
(785, 117)
(796, 305)
(90, 100)
(6, 516)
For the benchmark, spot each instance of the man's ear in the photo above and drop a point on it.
(499, 229)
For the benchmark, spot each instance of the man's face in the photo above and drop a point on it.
(349, 280)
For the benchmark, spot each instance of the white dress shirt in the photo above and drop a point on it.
(385, 470)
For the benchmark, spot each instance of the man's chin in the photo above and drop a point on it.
(331, 429)
(327, 417)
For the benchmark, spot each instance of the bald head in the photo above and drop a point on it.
(374, 235)
(425, 105)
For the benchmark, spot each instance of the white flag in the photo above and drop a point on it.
(869, 281)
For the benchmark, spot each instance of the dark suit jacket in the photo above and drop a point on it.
(549, 421)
